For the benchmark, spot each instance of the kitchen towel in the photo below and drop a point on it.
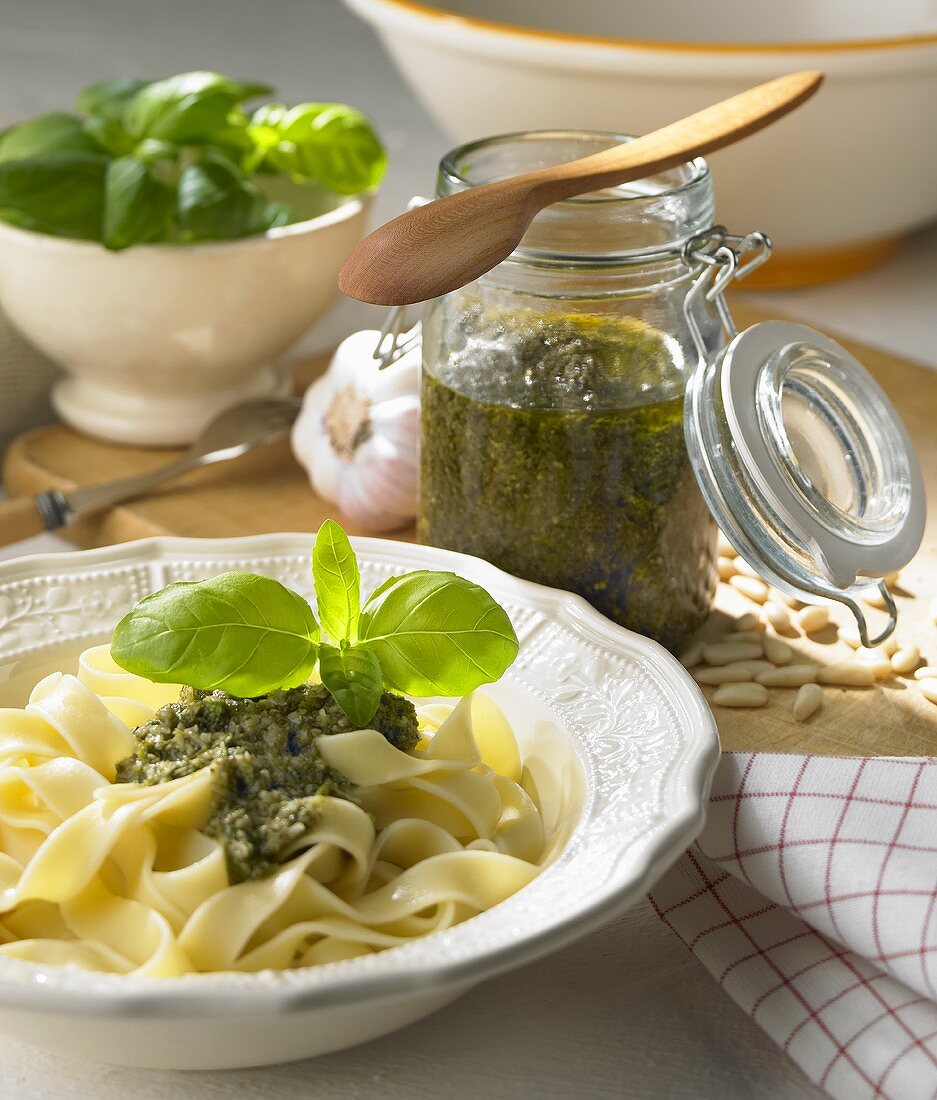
(811, 897)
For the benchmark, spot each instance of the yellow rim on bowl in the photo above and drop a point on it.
(492, 26)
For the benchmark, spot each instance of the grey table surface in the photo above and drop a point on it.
(626, 1011)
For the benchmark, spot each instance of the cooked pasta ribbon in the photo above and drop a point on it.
(120, 877)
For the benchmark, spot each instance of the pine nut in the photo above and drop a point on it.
(874, 598)
(891, 579)
(890, 645)
(790, 676)
(906, 659)
(812, 619)
(925, 672)
(751, 587)
(742, 566)
(848, 674)
(725, 548)
(724, 674)
(929, 689)
(777, 652)
(741, 695)
(748, 621)
(743, 636)
(777, 616)
(755, 667)
(724, 653)
(850, 636)
(726, 568)
(692, 655)
(877, 660)
(792, 602)
(807, 701)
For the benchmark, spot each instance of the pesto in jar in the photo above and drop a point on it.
(552, 446)
(265, 761)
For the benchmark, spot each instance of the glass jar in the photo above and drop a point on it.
(553, 394)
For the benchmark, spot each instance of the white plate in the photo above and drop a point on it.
(638, 724)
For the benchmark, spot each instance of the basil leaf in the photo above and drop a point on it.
(353, 676)
(108, 98)
(239, 632)
(191, 108)
(326, 143)
(435, 633)
(59, 193)
(137, 206)
(57, 132)
(215, 201)
(338, 583)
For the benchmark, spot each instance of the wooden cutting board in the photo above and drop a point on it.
(266, 492)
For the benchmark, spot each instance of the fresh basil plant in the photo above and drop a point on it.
(178, 160)
(422, 633)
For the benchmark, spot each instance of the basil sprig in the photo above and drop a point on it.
(179, 160)
(422, 633)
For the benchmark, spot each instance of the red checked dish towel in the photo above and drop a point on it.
(811, 897)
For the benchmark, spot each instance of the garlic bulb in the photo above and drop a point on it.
(358, 434)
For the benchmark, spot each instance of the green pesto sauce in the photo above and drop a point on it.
(265, 761)
(552, 446)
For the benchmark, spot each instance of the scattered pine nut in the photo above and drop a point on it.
(848, 674)
(929, 689)
(925, 672)
(790, 676)
(792, 602)
(777, 652)
(874, 598)
(742, 566)
(850, 635)
(724, 674)
(877, 660)
(755, 667)
(812, 619)
(748, 621)
(906, 659)
(743, 636)
(692, 656)
(726, 568)
(890, 645)
(808, 699)
(741, 695)
(725, 548)
(891, 579)
(724, 653)
(777, 616)
(751, 587)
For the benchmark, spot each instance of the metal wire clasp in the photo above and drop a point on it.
(716, 258)
(397, 336)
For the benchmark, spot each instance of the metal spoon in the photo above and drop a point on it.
(232, 433)
(445, 244)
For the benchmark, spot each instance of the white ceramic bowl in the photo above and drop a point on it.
(640, 729)
(836, 184)
(158, 339)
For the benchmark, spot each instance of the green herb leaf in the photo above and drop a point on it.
(338, 583)
(325, 143)
(59, 193)
(57, 132)
(107, 99)
(353, 676)
(216, 201)
(240, 632)
(137, 206)
(189, 109)
(436, 633)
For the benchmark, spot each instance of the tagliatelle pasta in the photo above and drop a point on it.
(119, 877)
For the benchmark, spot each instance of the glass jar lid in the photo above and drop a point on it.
(806, 465)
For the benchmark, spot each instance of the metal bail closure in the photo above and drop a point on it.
(806, 466)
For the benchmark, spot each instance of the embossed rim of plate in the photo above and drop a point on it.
(627, 857)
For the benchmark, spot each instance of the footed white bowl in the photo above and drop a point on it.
(614, 702)
(158, 339)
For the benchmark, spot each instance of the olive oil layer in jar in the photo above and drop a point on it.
(552, 395)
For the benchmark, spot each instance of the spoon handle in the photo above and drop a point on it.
(694, 136)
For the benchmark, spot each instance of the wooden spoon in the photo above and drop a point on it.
(445, 244)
